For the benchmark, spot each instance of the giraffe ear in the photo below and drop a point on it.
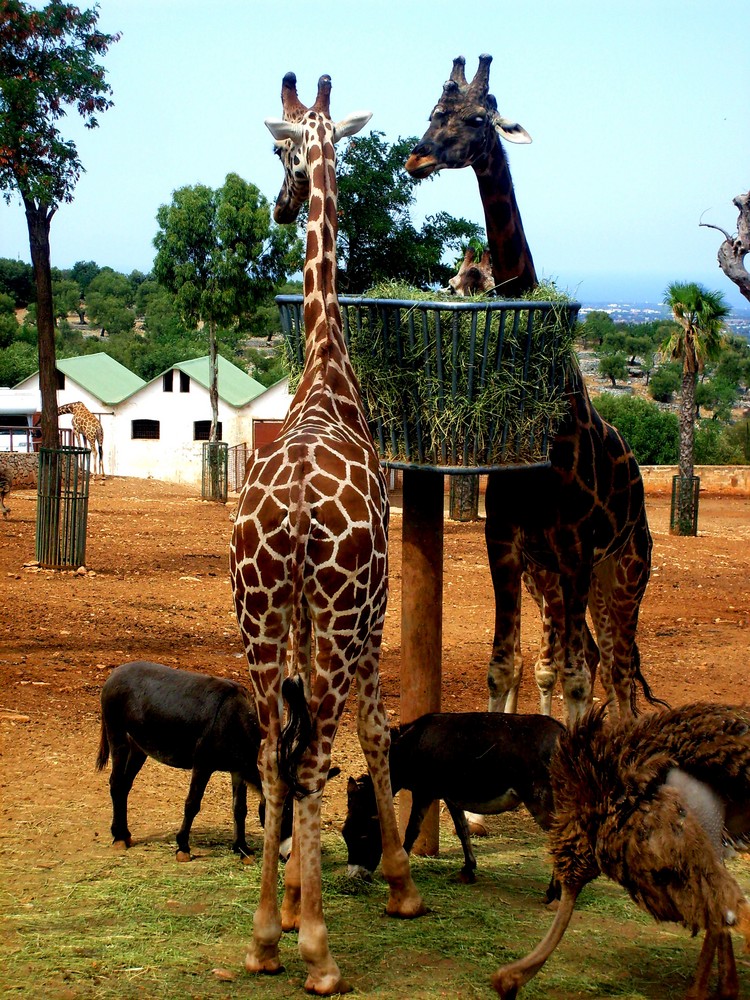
(511, 131)
(281, 130)
(351, 124)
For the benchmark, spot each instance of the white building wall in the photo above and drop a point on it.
(175, 456)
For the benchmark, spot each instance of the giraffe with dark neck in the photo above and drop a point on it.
(579, 526)
(308, 562)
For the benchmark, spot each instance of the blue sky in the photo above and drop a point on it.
(638, 111)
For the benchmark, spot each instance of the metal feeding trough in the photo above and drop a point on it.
(457, 387)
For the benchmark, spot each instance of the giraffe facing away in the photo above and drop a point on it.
(308, 563)
(580, 524)
(87, 430)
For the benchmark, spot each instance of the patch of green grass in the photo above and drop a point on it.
(141, 925)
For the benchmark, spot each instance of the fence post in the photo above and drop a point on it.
(214, 481)
(683, 518)
(62, 507)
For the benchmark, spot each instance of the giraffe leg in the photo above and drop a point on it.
(263, 952)
(504, 554)
(290, 904)
(404, 899)
(544, 587)
(323, 975)
(576, 678)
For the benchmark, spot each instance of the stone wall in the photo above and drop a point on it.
(731, 480)
(23, 469)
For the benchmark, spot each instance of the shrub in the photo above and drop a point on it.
(651, 433)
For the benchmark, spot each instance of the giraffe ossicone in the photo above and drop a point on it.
(308, 563)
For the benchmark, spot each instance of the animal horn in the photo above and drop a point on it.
(457, 73)
(510, 978)
(323, 100)
(293, 108)
(481, 82)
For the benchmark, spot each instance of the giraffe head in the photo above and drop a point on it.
(305, 138)
(464, 124)
(474, 276)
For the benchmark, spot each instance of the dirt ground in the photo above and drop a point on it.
(156, 587)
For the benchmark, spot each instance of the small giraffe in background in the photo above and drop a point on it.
(474, 276)
(88, 429)
(308, 562)
(581, 523)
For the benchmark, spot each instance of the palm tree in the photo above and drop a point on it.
(697, 339)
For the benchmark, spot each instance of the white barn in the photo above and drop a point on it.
(156, 429)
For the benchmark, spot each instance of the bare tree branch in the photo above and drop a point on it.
(731, 255)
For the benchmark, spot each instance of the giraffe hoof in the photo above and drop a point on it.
(320, 990)
(183, 855)
(268, 966)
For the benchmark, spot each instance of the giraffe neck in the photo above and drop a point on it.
(512, 264)
(328, 379)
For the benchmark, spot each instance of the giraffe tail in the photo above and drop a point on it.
(296, 734)
(298, 729)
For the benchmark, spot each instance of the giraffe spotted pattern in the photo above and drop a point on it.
(308, 563)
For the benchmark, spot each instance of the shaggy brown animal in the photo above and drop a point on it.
(652, 807)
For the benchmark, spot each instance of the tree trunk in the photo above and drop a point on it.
(685, 496)
(38, 219)
(213, 380)
(687, 424)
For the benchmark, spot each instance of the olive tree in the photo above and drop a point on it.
(48, 64)
(220, 254)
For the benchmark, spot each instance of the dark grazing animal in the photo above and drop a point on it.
(652, 807)
(486, 762)
(186, 720)
(6, 482)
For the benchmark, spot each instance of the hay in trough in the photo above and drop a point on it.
(454, 383)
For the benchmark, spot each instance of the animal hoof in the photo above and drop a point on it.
(183, 856)
(122, 845)
(268, 966)
(466, 878)
(341, 986)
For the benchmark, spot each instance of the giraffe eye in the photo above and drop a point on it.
(476, 121)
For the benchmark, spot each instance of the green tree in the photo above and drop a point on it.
(8, 321)
(220, 254)
(613, 366)
(47, 65)
(17, 362)
(377, 239)
(109, 302)
(84, 272)
(17, 280)
(664, 382)
(597, 326)
(700, 314)
(66, 296)
(652, 433)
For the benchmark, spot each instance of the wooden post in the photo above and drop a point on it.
(422, 618)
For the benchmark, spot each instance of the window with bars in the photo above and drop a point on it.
(202, 430)
(145, 430)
